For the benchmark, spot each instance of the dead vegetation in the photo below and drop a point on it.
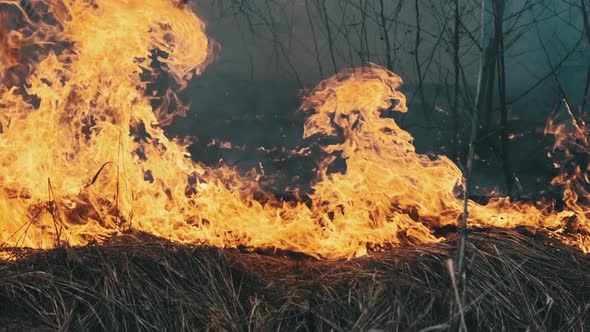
(516, 282)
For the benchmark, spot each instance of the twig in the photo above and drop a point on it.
(461, 271)
(329, 32)
(584, 9)
(315, 40)
(52, 207)
(456, 62)
(385, 32)
(418, 40)
(450, 268)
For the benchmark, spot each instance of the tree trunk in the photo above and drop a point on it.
(499, 6)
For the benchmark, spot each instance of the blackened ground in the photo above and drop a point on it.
(517, 281)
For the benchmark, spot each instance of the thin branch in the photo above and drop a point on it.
(315, 39)
(456, 62)
(385, 32)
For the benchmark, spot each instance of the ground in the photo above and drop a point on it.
(517, 281)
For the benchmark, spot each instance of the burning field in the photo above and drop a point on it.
(109, 224)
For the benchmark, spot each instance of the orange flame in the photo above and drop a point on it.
(83, 154)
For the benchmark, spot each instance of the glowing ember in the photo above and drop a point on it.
(83, 154)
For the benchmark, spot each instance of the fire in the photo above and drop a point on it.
(83, 153)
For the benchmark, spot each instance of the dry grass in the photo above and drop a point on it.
(517, 282)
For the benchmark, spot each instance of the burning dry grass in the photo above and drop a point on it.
(93, 135)
(516, 282)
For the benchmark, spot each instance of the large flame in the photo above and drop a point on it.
(83, 154)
